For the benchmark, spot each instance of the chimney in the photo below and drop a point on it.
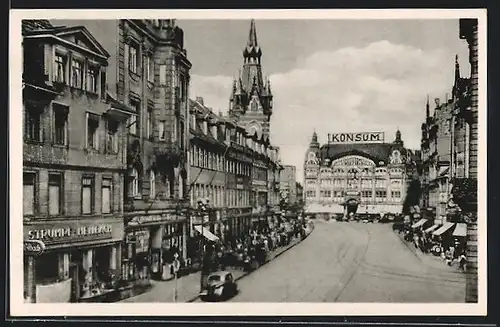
(437, 101)
(200, 100)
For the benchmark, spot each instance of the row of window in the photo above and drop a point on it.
(134, 125)
(217, 196)
(215, 161)
(154, 180)
(56, 194)
(227, 135)
(135, 65)
(327, 172)
(59, 130)
(361, 182)
(364, 194)
(78, 73)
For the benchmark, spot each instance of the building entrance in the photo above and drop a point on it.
(351, 206)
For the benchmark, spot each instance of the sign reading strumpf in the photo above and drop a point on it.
(363, 137)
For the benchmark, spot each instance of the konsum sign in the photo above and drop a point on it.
(362, 137)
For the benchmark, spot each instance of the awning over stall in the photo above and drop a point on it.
(443, 228)
(419, 223)
(460, 230)
(205, 232)
(431, 229)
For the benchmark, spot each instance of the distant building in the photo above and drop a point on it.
(356, 172)
(74, 164)
(225, 164)
(288, 184)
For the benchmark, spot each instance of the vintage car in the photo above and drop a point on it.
(220, 285)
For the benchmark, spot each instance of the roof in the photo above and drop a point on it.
(375, 151)
(60, 31)
(28, 25)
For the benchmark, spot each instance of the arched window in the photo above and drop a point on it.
(254, 106)
(134, 183)
(152, 184)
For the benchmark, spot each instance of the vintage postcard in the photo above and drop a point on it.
(315, 162)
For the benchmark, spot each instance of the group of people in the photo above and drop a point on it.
(450, 250)
(252, 247)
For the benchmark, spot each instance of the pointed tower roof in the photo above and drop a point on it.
(314, 140)
(427, 109)
(252, 49)
(252, 36)
(457, 69)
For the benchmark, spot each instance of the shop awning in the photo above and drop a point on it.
(443, 228)
(460, 230)
(419, 223)
(431, 229)
(205, 232)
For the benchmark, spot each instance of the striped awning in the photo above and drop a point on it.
(443, 228)
(460, 230)
(206, 233)
(431, 229)
(419, 223)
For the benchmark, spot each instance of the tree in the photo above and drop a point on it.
(412, 196)
(464, 192)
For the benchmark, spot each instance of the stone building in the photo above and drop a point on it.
(350, 173)
(288, 184)
(152, 76)
(74, 164)
(251, 106)
(469, 109)
(225, 163)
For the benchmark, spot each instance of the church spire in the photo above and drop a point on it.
(457, 69)
(252, 36)
(427, 109)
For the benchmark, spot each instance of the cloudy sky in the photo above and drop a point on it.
(332, 75)
(328, 75)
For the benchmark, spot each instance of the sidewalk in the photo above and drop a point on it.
(427, 258)
(188, 286)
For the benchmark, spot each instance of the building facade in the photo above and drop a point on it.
(353, 174)
(288, 184)
(152, 76)
(469, 109)
(225, 165)
(74, 165)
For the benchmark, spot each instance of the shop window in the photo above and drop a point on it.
(76, 74)
(60, 124)
(29, 193)
(91, 129)
(60, 69)
(112, 136)
(47, 268)
(32, 122)
(106, 195)
(55, 193)
(152, 184)
(134, 183)
(87, 195)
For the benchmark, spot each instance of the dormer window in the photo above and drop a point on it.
(76, 74)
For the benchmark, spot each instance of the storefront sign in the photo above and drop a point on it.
(55, 235)
(33, 247)
(364, 137)
(60, 233)
(140, 220)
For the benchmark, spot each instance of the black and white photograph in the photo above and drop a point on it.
(240, 162)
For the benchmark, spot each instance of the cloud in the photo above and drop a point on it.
(379, 87)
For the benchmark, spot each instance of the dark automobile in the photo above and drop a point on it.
(220, 285)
